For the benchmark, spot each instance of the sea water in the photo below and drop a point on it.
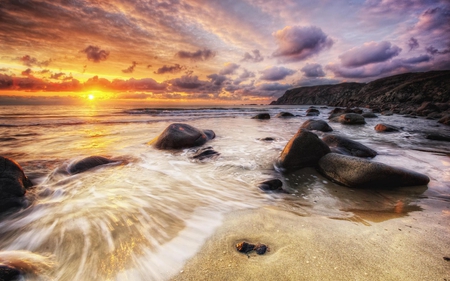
(144, 216)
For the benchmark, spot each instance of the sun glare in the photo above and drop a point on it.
(91, 97)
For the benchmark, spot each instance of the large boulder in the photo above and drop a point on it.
(350, 119)
(284, 114)
(87, 164)
(362, 173)
(179, 135)
(343, 145)
(261, 116)
(304, 149)
(382, 127)
(312, 112)
(317, 125)
(13, 183)
(369, 115)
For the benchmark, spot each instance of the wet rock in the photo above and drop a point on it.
(350, 119)
(261, 249)
(446, 258)
(427, 108)
(284, 115)
(180, 135)
(343, 145)
(209, 134)
(304, 149)
(312, 112)
(9, 273)
(369, 115)
(438, 137)
(357, 110)
(244, 247)
(87, 164)
(434, 115)
(387, 113)
(386, 128)
(13, 184)
(262, 116)
(274, 185)
(362, 173)
(445, 120)
(205, 153)
(318, 125)
(267, 139)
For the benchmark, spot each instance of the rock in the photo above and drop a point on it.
(179, 135)
(205, 153)
(13, 184)
(445, 120)
(387, 113)
(357, 110)
(304, 149)
(369, 115)
(284, 115)
(260, 249)
(427, 108)
(209, 134)
(271, 185)
(362, 173)
(262, 116)
(9, 273)
(350, 119)
(446, 258)
(318, 125)
(244, 247)
(267, 139)
(386, 128)
(348, 147)
(87, 164)
(312, 112)
(438, 137)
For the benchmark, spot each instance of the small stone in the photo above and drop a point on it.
(446, 258)
(260, 249)
(244, 247)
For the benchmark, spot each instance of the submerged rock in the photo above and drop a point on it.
(304, 149)
(180, 135)
(267, 139)
(386, 128)
(205, 153)
(438, 137)
(343, 145)
(317, 125)
(262, 116)
(284, 115)
(274, 185)
(87, 164)
(369, 115)
(362, 173)
(350, 119)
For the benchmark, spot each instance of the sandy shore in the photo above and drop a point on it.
(369, 247)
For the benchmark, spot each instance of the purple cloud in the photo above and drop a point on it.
(276, 73)
(217, 79)
(313, 70)
(256, 57)
(433, 51)
(30, 61)
(204, 54)
(246, 74)
(413, 43)
(229, 68)
(187, 82)
(131, 68)
(95, 54)
(371, 52)
(169, 69)
(297, 43)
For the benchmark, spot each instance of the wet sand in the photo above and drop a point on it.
(370, 246)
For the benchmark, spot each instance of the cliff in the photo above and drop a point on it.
(401, 91)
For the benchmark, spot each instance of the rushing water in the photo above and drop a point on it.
(142, 217)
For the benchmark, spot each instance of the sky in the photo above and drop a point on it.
(210, 51)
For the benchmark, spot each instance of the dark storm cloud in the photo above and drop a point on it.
(131, 68)
(413, 43)
(371, 52)
(204, 54)
(229, 68)
(276, 73)
(256, 57)
(170, 69)
(95, 54)
(296, 43)
(313, 70)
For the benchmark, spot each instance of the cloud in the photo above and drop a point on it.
(95, 54)
(169, 69)
(415, 60)
(246, 74)
(276, 73)
(413, 43)
(27, 72)
(4, 69)
(217, 79)
(313, 70)
(256, 57)
(30, 61)
(296, 43)
(204, 54)
(131, 68)
(371, 52)
(434, 19)
(433, 51)
(187, 82)
(56, 76)
(229, 68)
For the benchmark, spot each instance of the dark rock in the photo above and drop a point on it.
(179, 135)
(376, 110)
(284, 115)
(386, 128)
(438, 137)
(244, 247)
(262, 116)
(348, 147)
(434, 115)
(445, 120)
(387, 113)
(304, 149)
(362, 173)
(357, 111)
(446, 258)
(260, 249)
(427, 108)
(369, 115)
(267, 139)
(87, 164)
(210, 134)
(350, 119)
(205, 153)
(318, 125)
(409, 116)
(271, 185)
(9, 273)
(312, 112)
(13, 182)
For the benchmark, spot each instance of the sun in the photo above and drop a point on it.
(91, 97)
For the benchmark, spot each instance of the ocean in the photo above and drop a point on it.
(144, 217)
